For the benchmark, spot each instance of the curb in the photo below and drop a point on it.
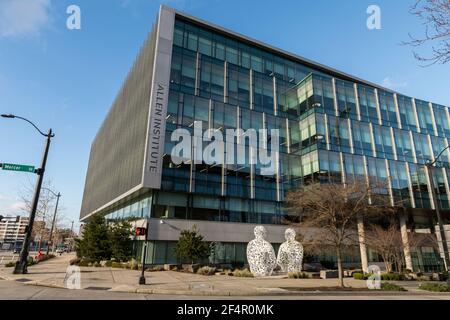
(259, 293)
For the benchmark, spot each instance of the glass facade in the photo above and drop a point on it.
(330, 129)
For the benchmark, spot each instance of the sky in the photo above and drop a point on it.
(67, 79)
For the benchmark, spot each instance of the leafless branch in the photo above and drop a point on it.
(435, 16)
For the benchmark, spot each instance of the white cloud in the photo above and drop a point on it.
(16, 206)
(19, 18)
(10, 206)
(391, 84)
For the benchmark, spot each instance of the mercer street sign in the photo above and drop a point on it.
(17, 167)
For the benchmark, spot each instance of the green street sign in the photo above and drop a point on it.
(17, 167)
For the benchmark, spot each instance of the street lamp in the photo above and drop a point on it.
(429, 165)
(21, 265)
(57, 195)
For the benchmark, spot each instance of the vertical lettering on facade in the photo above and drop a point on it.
(156, 128)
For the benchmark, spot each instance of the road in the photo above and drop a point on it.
(11, 290)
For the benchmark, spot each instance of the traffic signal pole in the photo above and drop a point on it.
(142, 277)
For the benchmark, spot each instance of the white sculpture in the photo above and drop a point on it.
(260, 254)
(290, 254)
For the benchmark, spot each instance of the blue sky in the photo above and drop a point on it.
(67, 79)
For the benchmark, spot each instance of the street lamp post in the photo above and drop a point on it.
(57, 195)
(21, 265)
(429, 165)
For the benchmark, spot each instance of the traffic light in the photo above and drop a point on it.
(141, 231)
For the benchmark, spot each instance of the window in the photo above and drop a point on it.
(362, 140)
(407, 114)
(403, 145)
(330, 165)
(323, 94)
(383, 142)
(178, 37)
(424, 115)
(422, 147)
(378, 175)
(263, 97)
(217, 80)
(238, 86)
(232, 55)
(420, 186)
(354, 168)
(346, 99)
(204, 46)
(192, 41)
(438, 145)
(367, 104)
(256, 63)
(188, 72)
(387, 109)
(339, 135)
(442, 125)
(399, 182)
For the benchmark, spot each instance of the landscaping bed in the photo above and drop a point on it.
(32, 261)
(384, 287)
(435, 287)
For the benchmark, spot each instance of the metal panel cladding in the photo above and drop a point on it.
(117, 152)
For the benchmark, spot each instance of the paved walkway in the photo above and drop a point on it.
(52, 273)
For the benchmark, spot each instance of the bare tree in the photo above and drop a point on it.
(382, 241)
(387, 242)
(435, 16)
(44, 213)
(333, 208)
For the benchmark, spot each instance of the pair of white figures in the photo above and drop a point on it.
(261, 255)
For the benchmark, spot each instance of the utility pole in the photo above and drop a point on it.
(50, 238)
(428, 167)
(72, 236)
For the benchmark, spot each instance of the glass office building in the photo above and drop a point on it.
(332, 126)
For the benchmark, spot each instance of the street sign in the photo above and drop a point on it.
(17, 167)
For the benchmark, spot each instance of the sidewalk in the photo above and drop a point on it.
(52, 273)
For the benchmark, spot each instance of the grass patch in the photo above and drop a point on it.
(325, 289)
(386, 286)
(435, 287)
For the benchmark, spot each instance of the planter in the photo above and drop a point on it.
(437, 276)
(329, 274)
(169, 267)
(191, 267)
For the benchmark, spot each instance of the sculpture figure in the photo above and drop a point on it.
(260, 254)
(290, 254)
